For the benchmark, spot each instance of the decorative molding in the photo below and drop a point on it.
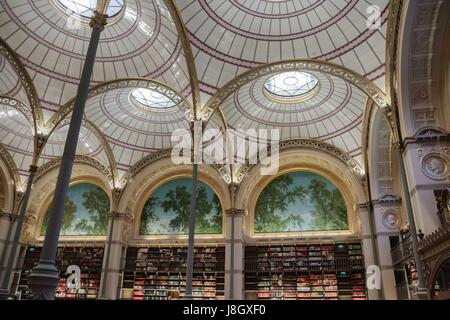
(347, 75)
(392, 42)
(235, 212)
(99, 135)
(143, 163)
(26, 82)
(433, 243)
(388, 199)
(310, 144)
(20, 106)
(157, 86)
(188, 55)
(10, 164)
(105, 170)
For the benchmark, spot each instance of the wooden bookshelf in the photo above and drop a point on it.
(160, 273)
(306, 272)
(88, 259)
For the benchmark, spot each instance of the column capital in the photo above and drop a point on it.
(98, 21)
(235, 212)
(128, 216)
(33, 169)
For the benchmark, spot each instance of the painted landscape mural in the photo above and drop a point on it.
(86, 211)
(300, 201)
(167, 210)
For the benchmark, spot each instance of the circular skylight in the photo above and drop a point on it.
(151, 99)
(291, 85)
(86, 8)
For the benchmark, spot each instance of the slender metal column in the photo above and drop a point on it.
(192, 221)
(4, 291)
(412, 224)
(44, 278)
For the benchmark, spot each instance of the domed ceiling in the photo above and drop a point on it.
(229, 37)
(141, 87)
(141, 42)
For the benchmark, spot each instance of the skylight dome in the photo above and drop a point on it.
(291, 85)
(151, 99)
(86, 8)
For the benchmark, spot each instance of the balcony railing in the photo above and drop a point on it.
(402, 251)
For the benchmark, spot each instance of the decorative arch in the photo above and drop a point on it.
(443, 261)
(84, 198)
(379, 156)
(304, 159)
(187, 49)
(84, 170)
(299, 200)
(112, 170)
(8, 180)
(421, 46)
(160, 87)
(26, 82)
(368, 87)
(174, 192)
(306, 144)
(140, 185)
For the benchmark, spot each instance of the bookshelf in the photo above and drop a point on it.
(306, 272)
(160, 273)
(88, 259)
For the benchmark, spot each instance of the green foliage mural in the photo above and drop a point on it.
(300, 201)
(85, 213)
(167, 210)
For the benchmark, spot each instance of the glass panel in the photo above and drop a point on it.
(291, 84)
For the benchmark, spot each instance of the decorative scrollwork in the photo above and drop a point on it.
(25, 80)
(312, 144)
(11, 165)
(141, 164)
(105, 170)
(20, 106)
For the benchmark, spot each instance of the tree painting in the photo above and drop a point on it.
(300, 201)
(167, 211)
(70, 208)
(85, 213)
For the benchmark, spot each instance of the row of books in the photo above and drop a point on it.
(159, 273)
(303, 258)
(89, 260)
(327, 271)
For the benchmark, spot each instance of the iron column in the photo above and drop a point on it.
(44, 278)
(4, 290)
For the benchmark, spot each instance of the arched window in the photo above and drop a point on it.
(86, 211)
(167, 210)
(441, 288)
(300, 201)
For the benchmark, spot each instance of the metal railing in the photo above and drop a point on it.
(402, 251)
